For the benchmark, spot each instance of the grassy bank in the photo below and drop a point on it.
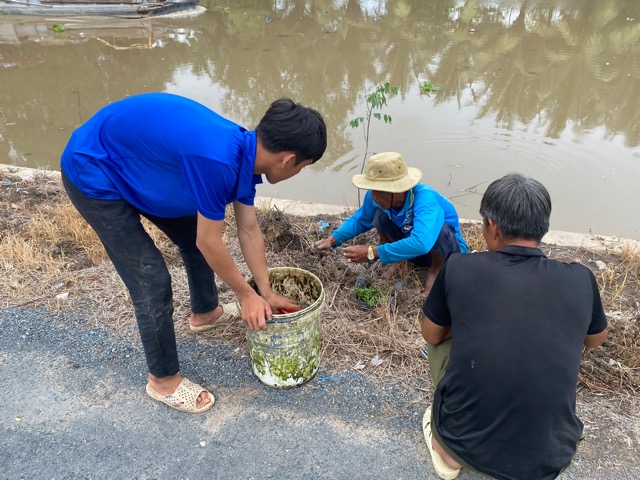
(50, 257)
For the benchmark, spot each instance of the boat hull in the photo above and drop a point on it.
(118, 8)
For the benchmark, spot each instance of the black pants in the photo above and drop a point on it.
(446, 243)
(144, 271)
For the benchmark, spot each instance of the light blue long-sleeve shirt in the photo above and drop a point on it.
(421, 218)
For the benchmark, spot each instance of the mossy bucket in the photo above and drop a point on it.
(287, 354)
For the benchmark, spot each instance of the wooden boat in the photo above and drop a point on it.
(119, 8)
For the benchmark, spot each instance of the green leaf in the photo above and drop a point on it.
(377, 115)
(371, 296)
(428, 87)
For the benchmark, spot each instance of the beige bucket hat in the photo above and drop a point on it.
(387, 172)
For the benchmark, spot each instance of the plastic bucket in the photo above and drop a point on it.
(287, 354)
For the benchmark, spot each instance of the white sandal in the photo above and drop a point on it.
(184, 398)
(443, 470)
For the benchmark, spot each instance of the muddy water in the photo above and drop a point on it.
(547, 88)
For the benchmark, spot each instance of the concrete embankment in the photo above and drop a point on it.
(592, 242)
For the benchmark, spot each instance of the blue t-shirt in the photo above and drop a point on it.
(421, 218)
(164, 154)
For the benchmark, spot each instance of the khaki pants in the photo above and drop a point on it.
(438, 360)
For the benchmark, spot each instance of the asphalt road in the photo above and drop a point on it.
(74, 407)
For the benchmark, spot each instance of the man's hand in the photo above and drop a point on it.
(254, 308)
(356, 253)
(255, 312)
(325, 245)
(278, 303)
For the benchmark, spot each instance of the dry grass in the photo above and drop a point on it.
(44, 239)
(473, 236)
(49, 256)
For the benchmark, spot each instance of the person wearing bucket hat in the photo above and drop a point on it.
(505, 331)
(414, 221)
(180, 173)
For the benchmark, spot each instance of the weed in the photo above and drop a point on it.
(428, 87)
(58, 27)
(372, 296)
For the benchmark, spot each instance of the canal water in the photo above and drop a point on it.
(547, 88)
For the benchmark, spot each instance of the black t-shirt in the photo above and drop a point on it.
(506, 404)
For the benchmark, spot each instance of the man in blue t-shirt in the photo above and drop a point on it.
(179, 164)
(415, 222)
(506, 330)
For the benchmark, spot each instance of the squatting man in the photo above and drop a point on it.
(415, 223)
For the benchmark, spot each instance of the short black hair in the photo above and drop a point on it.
(519, 205)
(289, 126)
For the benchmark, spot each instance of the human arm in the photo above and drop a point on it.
(434, 333)
(255, 309)
(354, 253)
(361, 221)
(359, 253)
(595, 340)
(597, 333)
(252, 246)
(436, 323)
(209, 242)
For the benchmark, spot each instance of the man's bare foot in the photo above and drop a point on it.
(436, 265)
(168, 385)
(199, 320)
(395, 270)
(451, 463)
(428, 285)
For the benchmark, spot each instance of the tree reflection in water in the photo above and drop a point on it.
(556, 65)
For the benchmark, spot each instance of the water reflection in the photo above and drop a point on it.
(529, 85)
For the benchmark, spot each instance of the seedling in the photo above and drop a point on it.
(375, 101)
(58, 28)
(371, 296)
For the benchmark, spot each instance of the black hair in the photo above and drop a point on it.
(289, 126)
(519, 205)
